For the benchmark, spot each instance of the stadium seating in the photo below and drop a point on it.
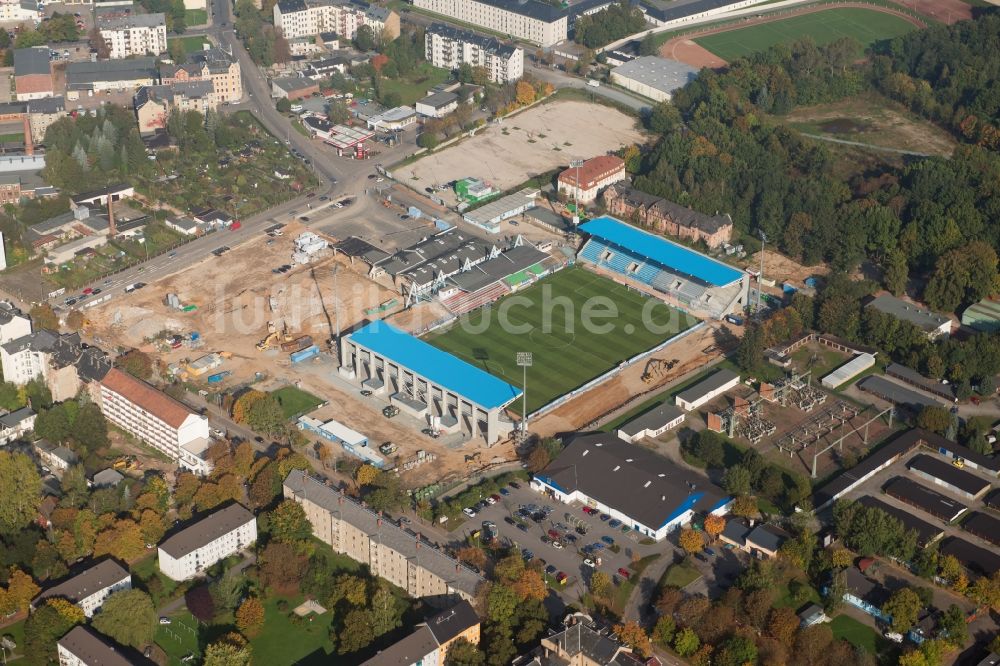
(647, 273)
(465, 302)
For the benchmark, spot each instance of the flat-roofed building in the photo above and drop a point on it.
(653, 77)
(450, 48)
(403, 558)
(32, 73)
(983, 525)
(84, 78)
(707, 389)
(437, 105)
(585, 182)
(917, 495)
(926, 532)
(948, 476)
(531, 20)
(652, 423)
(933, 324)
(91, 587)
(213, 538)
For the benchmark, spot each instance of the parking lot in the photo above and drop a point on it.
(532, 534)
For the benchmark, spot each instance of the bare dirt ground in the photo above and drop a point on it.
(946, 11)
(528, 144)
(628, 385)
(684, 49)
(875, 120)
(781, 268)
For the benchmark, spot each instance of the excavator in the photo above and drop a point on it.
(274, 337)
(656, 367)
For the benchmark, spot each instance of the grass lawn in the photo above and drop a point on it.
(415, 86)
(640, 566)
(16, 632)
(548, 319)
(194, 17)
(864, 25)
(12, 137)
(146, 570)
(179, 638)
(785, 598)
(295, 401)
(855, 633)
(284, 642)
(679, 575)
(193, 43)
(826, 360)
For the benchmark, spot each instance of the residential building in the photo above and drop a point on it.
(450, 48)
(402, 558)
(153, 104)
(14, 324)
(865, 594)
(582, 643)
(812, 614)
(154, 417)
(327, 66)
(42, 113)
(214, 65)
(19, 11)
(90, 588)
(211, 539)
(583, 184)
(666, 217)
(32, 73)
(531, 20)
(631, 483)
(308, 18)
(707, 389)
(653, 77)
(437, 105)
(107, 478)
(762, 541)
(428, 644)
(16, 424)
(934, 325)
(56, 458)
(83, 646)
(55, 358)
(652, 423)
(133, 34)
(294, 87)
(86, 78)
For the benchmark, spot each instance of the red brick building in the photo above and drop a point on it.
(667, 217)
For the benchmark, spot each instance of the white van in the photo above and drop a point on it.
(296, 108)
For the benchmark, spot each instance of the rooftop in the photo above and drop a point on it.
(458, 576)
(920, 496)
(505, 264)
(438, 100)
(14, 418)
(661, 74)
(711, 383)
(484, 42)
(147, 397)
(407, 651)
(939, 469)
(926, 532)
(634, 480)
(654, 419)
(291, 83)
(916, 315)
(91, 648)
(896, 393)
(93, 579)
(451, 623)
(34, 60)
(206, 530)
(435, 365)
(131, 21)
(978, 560)
(662, 251)
(592, 170)
(86, 73)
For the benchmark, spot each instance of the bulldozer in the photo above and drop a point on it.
(655, 367)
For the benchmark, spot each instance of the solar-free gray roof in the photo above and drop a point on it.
(978, 560)
(918, 495)
(926, 532)
(654, 419)
(906, 311)
(493, 270)
(983, 525)
(911, 376)
(948, 473)
(206, 530)
(133, 69)
(34, 60)
(713, 382)
(661, 74)
(89, 581)
(896, 393)
(93, 650)
(443, 250)
(408, 651)
(458, 576)
(450, 623)
(438, 100)
(487, 44)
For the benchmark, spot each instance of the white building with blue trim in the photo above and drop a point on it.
(645, 491)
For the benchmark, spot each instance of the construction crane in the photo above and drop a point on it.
(655, 367)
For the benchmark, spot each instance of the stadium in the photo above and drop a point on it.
(630, 295)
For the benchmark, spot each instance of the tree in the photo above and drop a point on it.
(842, 558)
(708, 447)
(43, 316)
(524, 93)
(686, 642)
(744, 506)
(691, 541)
(530, 585)
(736, 480)
(427, 140)
(385, 612)
(751, 350)
(288, 523)
(953, 626)
(75, 320)
(663, 632)
(600, 584)
(501, 603)
(123, 539)
(128, 617)
(281, 566)
(283, 105)
(250, 617)
(261, 411)
(986, 591)
(358, 632)
(782, 625)
(230, 650)
(935, 419)
(903, 606)
(736, 651)
(464, 653)
(714, 524)
(633, 635)
(42, 630)
(364, 39)
(351, 589)
(21, 589)
(20, 491)
(136, 363)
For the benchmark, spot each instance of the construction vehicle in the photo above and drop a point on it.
(387, 448)
(267, 342)
(298, 344)
(390, 411)
(125, 462)
(655, 367)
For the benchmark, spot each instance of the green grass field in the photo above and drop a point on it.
(191, 44)
(823, 27)
(547, 319)
(193, 17)
(415, 85)
(295, 401)
(679, 575)
(855, 633)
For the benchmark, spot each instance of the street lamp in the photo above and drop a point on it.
(524, 360)
(576, 164)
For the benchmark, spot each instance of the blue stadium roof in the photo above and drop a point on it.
(662, 251)
(438, 366)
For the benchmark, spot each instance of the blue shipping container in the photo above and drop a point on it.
(304, 354)
(218, 377)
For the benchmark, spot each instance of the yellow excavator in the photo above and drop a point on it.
(656, 367)
(274, 337)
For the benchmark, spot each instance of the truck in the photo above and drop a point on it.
(387, 448)
(304, 354)
(297, 344)
(390, 411)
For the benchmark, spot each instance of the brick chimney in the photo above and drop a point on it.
(112, 230)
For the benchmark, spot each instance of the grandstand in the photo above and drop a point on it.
(680, 275)
(494, 278)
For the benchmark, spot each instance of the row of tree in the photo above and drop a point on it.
(600, 28)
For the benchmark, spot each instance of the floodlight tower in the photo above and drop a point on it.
(524, 360)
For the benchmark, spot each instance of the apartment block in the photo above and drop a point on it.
(213, 538)
(531, 20)
(429, 643)
(450, 48)
(403, 558)
(60, 360)
(133, 34)
(306, 18)
(85, 647)
(154, 417)
(153, 104)
(90, 588)
(213, 65)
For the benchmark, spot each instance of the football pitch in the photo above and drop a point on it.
(577, 325)
(865, 25)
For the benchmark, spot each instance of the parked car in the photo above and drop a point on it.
(605, 517)
(608, 540)
(710, 552)
(164, 620)
(557, 544)
(509, 520)
(490, 500)
(551, 569)
(554, 534)
(561, 577)
(624, 573)
(504, 492)
(515, 485)
(615, 523)
(589, 563)
(522, 527)
(527, 555)
(469, 511)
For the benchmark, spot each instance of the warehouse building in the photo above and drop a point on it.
(437, 105)
(984, 526)
(653, 77)
(403, 558)
(630, 483)
(653, 423)
(948, 476)
(427, 382)
(489, 216)
(215, 537)
(848, 371)
(934, 325)
(897, 394)
(707, 389)
(914, 378)
(910, 492)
